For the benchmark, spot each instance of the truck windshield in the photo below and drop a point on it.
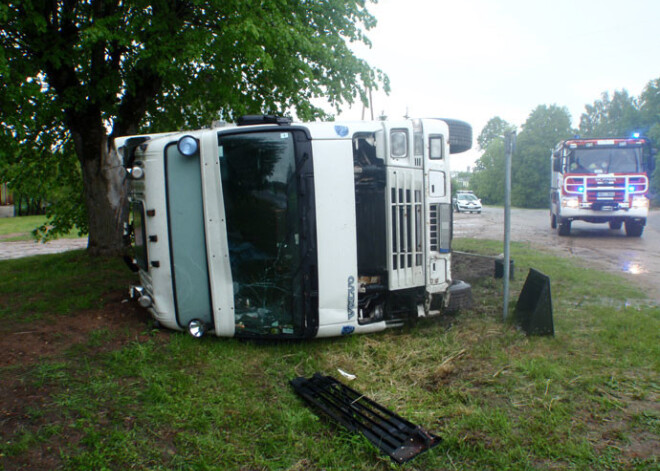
(260, 191)
(605, 160)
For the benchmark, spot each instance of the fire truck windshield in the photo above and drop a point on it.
(601, 160)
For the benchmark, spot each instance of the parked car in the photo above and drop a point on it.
(467, 202)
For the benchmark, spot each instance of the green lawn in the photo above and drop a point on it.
(584, 399)
(22, 227)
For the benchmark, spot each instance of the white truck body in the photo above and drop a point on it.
(289, 230)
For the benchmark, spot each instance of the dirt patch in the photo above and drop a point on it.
(471, 267)
(118, 322)
(45, 342)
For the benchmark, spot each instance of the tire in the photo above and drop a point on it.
(460, 135)
(564, 228)
(634, 229)
(553, 221)
(616, 225)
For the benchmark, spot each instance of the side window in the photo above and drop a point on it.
(364, 150)
(399, 143)
(556, 164)
(436, 147)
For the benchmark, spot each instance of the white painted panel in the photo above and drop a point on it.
(437, 183)
(336, 231)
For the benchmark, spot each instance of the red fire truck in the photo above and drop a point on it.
(601, 181)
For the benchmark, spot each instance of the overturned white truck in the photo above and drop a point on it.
(294, 230)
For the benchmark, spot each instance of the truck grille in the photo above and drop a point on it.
(596, 188)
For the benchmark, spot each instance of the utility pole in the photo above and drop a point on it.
(510, 146)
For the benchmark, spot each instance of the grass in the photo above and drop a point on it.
(57, 284)
(20, 228)
(584, 399)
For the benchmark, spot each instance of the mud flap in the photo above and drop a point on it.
(459, 296)
(534, 307)
(392, 434)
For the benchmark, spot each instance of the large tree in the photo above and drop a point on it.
(117, 67)
(530, 180)
(649, 107)
(496, 128)
(611, 117)
(487, 180)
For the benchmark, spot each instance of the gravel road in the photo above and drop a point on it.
(637, 258)
(20, 249)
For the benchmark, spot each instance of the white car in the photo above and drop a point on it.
(467, 202)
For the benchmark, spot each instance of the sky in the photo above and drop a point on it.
(476, 59)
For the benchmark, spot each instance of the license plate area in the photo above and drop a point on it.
(605, 195)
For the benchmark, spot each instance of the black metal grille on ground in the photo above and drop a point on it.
(394, 435)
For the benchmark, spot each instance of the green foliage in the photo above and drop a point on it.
(495, 129)
(530, 171)
(611, 117)
(37, 159)
(488, 178)
(85, 72)
(649, 108)
(545, 126)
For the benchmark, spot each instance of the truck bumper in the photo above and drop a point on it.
(591, 215)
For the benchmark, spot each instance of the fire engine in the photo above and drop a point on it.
(277, 229)
(601, 181)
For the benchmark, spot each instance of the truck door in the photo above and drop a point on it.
(432, 139)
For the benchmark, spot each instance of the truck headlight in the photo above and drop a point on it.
(640, 202)
(145, 301)
(188, 146)
(137, 173)
(196, 328)
(570, 203)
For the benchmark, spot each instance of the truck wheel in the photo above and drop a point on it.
(634, 229)
(553, 221)
(564, 228)
(460, 135)
(616, 225)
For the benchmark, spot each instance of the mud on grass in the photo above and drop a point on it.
(39, 361)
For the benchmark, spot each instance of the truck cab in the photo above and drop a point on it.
(291, 230)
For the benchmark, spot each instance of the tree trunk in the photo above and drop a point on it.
(104, 182)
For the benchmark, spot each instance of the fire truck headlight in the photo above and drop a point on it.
(188, 146)
(570, 203)
(640, 202)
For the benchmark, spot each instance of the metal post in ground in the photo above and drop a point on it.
(510, 145)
